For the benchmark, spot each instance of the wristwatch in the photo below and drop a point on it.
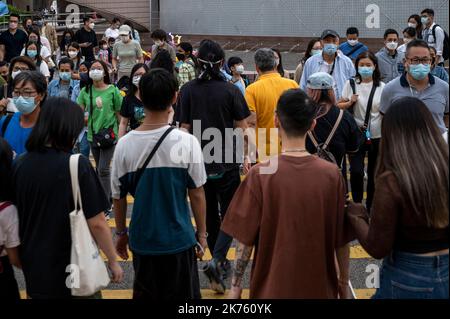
(123, 232)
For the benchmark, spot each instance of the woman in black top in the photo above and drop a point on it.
(132, 110)
(43, 195)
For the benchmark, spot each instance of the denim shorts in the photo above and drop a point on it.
(409, 276)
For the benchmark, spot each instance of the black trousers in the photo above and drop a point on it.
(8, 284)
(166, 277)
(219, 193)
(357, 172)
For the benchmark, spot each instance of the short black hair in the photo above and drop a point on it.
(157, 89)
(234, 60)
(66, 60)
(162, 60)
(6, 161)
(296, 112)
(36, 78)
(353, 30)
(3, 63)
(417, 43)
(15, 15)
(59, 124)
(390, 31)
(86, 19)
(412, 32)
(102, 42)
(115, 20)
(20, 59)
(428, 11)
(159, 34)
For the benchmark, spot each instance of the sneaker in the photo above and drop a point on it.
(215, 277)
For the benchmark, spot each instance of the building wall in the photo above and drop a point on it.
(291, 18)
(137, 11)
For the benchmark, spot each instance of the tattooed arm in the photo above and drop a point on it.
(243, 254)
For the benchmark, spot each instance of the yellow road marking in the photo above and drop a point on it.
(206, 294)
(356, 252)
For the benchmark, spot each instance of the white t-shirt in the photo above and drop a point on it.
(44, 69)
(45, 52)
(9, 228)
(111, 33)
(402, 48)
(363, 90)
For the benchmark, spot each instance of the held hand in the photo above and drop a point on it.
(204, 245)
(354, 98)
(247, 165)
(4, 103)
(235, 293)
(116, 271)
(122, 247)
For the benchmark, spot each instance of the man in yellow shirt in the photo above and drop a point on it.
(262, 98)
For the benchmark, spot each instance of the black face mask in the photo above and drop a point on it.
(181, 56)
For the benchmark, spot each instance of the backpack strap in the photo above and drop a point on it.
(433, 32)
(6, 123)
(333, 131)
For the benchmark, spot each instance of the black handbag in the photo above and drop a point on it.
(105, 138)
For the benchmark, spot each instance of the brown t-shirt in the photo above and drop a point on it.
(295, 219)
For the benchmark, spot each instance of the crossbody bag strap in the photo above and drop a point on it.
(333, 131)
(73, 164)
(313, 139)
(369, 106)
(152, 153)
(356, 48)
(91, 110)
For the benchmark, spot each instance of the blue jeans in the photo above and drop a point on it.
(409, 276)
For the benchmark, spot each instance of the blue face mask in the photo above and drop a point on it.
(365, 71)
(330, 48)
(32, 53)
(25, 105)
(419, 71)
(316, 52)
(424, 20)
(65, 76)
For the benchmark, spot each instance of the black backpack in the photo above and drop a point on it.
(445, 53)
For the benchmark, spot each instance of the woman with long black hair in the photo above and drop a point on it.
(409, 217)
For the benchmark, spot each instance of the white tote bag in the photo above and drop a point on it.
(88, 274)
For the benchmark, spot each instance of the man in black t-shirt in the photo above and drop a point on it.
(12, 40)
(87, 39)
(215, 104)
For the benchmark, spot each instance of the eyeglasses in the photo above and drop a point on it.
(17, 68)
(425, 60)
(24, 93)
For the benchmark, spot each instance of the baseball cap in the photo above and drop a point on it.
(328, 33)
(320, 81)
(124, 30)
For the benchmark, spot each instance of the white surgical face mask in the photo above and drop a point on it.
(96, 75)
(159, 43)
(15, 73)
(240, 69)
(352, 42)
(406, 40)
(136, 80)
(73, 54)
(412, 25)
(125, 38)
(92, 26)
(392, 45)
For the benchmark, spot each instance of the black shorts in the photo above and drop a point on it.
(166, 277)
(8, 284)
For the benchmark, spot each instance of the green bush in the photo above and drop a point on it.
(13, 9)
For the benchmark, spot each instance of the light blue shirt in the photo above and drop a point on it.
(343, 71)
(54, 88)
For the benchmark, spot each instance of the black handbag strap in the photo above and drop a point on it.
(91, 110)
(369, 106)
(152, 153)
(6, 123)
